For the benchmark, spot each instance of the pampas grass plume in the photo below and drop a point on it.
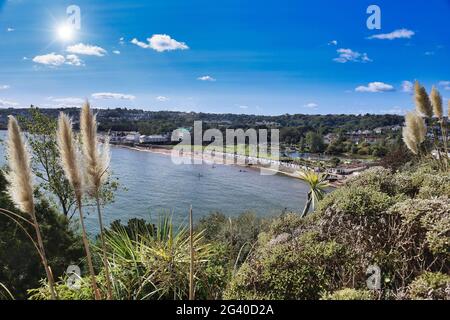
(19, 177)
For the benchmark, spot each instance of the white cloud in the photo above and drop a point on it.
(348, 55)
(375, 87)
(206, 78)
(50, 59)
(243, 107)
(395, 110)
(116, 52)
(407, 86)
(397, 34)
(112, 95)
(162, 98)
(333, 43)
(67, 101)
(74, 60)
(8, 103)
(311, 105)
(140, 43)
(161, 43)
(10, 29)
(121, 40)
(86, 49)
(4, 86)
(56, 60)
(445, 84)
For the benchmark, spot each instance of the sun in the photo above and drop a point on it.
(65, 32)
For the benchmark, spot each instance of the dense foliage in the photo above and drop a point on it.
(152, 263)
(20, 265)
(292, 127)
(397, 221)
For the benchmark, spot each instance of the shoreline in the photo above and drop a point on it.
(209, 159)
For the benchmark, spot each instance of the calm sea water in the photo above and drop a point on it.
(154, 184)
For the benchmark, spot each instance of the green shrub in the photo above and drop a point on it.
(238, 234)
(404, 239)
(378, 178)
(377, 218)
(428, 223)
(430, 286)
(349, 294)
(434, 185)
(84, 292)
(300, 269)
(357, 201)
(20, 265)
(147, 263)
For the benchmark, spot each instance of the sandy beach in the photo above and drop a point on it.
(218, 158)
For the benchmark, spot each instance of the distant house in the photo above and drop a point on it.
(132, 137)
(180, 134)
(378, 130)
(114, 139)
(330, 138)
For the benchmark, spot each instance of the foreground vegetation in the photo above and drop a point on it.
(399, 221)
(390, 222)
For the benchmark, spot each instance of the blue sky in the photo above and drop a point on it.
(234, 56)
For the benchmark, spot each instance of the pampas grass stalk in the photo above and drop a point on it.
(21, 188)
(414, 133)
(68, 149)
(436, 101)
(96, 172)
(423, 104)
(191, 249)
(425, 107)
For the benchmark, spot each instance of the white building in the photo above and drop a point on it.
(132, 137)
(153, 139)
(181, 134)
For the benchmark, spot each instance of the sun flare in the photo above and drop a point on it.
(65, 32)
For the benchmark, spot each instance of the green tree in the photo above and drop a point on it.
(46, 164)
(335, 161)
(20, 265)
(41, 137)
(315, 142)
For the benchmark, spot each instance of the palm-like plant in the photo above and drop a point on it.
(317, 183)
(155, 264)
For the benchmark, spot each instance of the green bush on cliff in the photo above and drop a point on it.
(301, 269)
(152, 263)
(397, 221)
(350, 294)
(21, 267)
(430, 286)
